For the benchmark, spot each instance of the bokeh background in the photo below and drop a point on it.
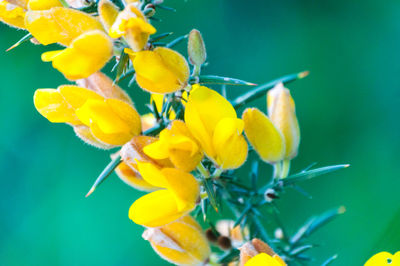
(348, 110)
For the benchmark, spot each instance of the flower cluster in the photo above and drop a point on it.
(185, 151)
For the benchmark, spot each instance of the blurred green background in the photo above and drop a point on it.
(347, 107)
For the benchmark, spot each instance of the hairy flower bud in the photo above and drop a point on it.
(196, 48)
(281, 110)
(181, 242)
(251, 254)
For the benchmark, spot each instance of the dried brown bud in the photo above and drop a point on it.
(224, 242)
(211, 235)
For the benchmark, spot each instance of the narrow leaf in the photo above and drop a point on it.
(106, 173)
(176, 41)
(160, 36)
(211, 79)
(229, 256)
(121, 66)
(208, 186)
(330, 260)
(306, 175)
(127, 74)
(262, 89)
(316, 222)
(300, 250)
(167, 8)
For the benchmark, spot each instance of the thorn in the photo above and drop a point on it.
(303, 74)
(90, 191)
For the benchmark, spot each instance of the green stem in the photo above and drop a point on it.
(277, 169)
(203, 171)
(285, 168)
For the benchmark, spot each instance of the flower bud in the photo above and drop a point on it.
(181, 242)
(253, 249)
(266, 139)
(281, 110)
(196, 48)
(224, 242)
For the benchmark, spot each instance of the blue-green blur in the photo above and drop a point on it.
(348, 110)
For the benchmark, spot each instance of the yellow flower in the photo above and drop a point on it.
(60, 25)
(177, 144)
(383, 259)
(266, 139)
(13, 13)
(177, 198)
(160, 71)
(108, 13)
(133, 26)
(263, 259)
(86, 55)
(213, 122)
(281, 110)
(181, 242)
(131, 153)
(258, 253)
(97, 120)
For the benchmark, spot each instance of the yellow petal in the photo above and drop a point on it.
(112, 121)
(108, 13)
(155, 209)
(52, 105)
(281, 110)
(60, 25)
(152, 174)
(157, 150)
(104, 86)
(229, 143)
(77, 96)
(12, 14)
(133, 26)
(204, 109)
(184, 186)
(264, 259)
(181, 242)
(85, 133)
(161, 71)
(86, 55)
(266, 139)
(132, 178)
(383, 259)
(43, 4)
